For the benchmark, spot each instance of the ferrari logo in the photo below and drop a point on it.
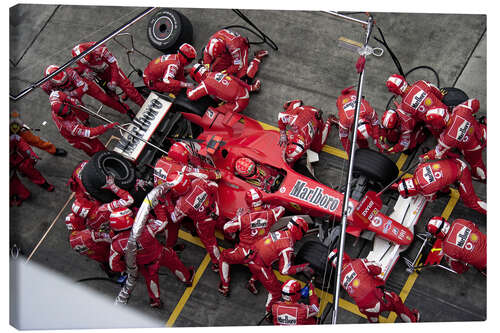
(345, 100)
(435, 166)
(355, 284)
(428, 102)
(267, 241)
(473, 237)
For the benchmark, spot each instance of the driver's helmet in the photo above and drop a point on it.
(290, 291)
(245, 167)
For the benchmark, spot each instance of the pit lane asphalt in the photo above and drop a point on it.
(309, 65)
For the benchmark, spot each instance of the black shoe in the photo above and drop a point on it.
(47, 187)
(179, 247)
(131, 114)
(60, 152)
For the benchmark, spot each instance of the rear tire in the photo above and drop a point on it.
(106, 163)
(316, 254)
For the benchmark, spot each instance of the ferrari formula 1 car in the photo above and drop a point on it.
(220, 139)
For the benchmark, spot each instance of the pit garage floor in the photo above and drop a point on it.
(309, 65)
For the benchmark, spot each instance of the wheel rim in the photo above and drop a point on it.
(163, 27)
(116, 168)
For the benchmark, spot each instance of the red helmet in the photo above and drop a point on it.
(396, 84)
(390, 119)
(215, 47)
(121, 219)
(198, 72)
(180, 152)
(188, 52)
(57, 103)
(79, 49)
(178, 182)
(437, 118)
(294, 103)
(60, 79)
(245, 167)
(298, 227)
(253, 198)
(294, 148)
(472, 104)
(407, 187)
(438, 226)
(290, 291)
(332, 258)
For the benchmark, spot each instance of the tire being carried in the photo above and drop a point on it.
(168, 29)
(106, 163)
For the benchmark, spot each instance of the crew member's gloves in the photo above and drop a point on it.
(112, 85)
(111, 125)
(283, 139)
(186, 85)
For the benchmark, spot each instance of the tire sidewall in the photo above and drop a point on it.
(174, 29)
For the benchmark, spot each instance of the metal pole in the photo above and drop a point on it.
(348, 187)
(83, 54)
(348, 18)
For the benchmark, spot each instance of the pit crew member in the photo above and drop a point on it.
(223, 87)
(166, 73)
(399, 133)
(417, 99)
(460, 130)
(359, 277)
(463, 243)
(278, 246)
(306, 129)
(72, 128)
(289, 311)
(368, 125)
(252, 225)
(73, 85)
(17, 126)
(102, 64)
(432, 177)
(227, 51)
(150, 254)
(257, 174)
(198, 201)
(23, 159)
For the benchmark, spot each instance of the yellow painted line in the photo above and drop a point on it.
(188, 291)
(401, 161)
(326, 148)
(454, 196)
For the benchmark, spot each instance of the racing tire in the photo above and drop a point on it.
(375, 166)
(453, 96)
(106, 163)
(168, 29)
(198, 107)
(316, 254)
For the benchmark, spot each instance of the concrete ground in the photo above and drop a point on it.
(308, 65)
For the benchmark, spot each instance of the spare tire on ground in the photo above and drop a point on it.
(375, 166)
(168, 29)
(453, 96)
(106, 163)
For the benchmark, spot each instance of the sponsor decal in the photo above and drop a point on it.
(377, 221)
(418, 98)
(314, 196)
(210, 113)
(218, 77)
(348, 278)
(402, 234)
(350, 106)
(286, 319)
(160, 173)
(395, 231)
(258, 223)
(428, 175)
(387, 226)
(294, 206)
(197, 198)
(283, 189)
(462, 237)
(462, 131)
